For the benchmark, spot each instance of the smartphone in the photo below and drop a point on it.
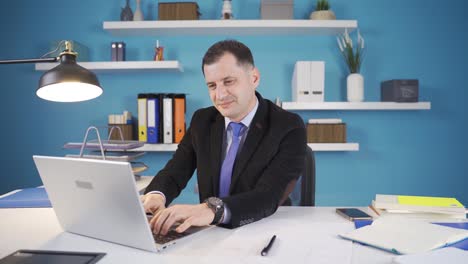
(353, 214)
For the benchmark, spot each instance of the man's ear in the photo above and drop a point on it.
(255, 77)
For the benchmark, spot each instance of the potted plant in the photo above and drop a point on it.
(353, 58)
(322, 11)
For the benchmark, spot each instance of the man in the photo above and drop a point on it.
(246, 150)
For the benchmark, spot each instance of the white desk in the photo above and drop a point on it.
(304, 235)
(141, 185)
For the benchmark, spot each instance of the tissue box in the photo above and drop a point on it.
(178, 11)
(276, 9)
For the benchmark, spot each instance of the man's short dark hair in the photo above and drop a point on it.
(240, 51)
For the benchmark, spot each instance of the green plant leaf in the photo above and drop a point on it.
(322, 5)
(353, 56)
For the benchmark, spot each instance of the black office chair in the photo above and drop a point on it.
(302, 191)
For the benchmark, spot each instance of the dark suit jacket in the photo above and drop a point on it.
(271, 157)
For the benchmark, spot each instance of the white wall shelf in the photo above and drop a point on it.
(334, 146)
(229, 27)
(314, 146)
(157, 148)
(355, 106)
(109, 66)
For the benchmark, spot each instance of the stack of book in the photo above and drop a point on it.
(431, 207)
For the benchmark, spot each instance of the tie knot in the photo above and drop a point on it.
(236, 128)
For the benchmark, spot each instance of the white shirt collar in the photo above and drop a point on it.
(247, 119)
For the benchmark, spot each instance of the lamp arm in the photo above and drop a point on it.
(55, 59)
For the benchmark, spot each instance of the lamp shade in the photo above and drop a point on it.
(68, 82)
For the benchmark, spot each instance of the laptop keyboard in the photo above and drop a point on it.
(171, 235)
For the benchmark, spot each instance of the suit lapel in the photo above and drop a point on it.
(254, 136)
(217, 133)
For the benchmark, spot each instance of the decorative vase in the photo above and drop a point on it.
(138, 15)
(323, 15)
(126, 14)
(355, 87)
(226, 13)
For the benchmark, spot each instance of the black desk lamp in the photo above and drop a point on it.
(67, 82)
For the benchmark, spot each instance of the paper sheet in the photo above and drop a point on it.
(402, 235)
(444, 255)
(305, 242)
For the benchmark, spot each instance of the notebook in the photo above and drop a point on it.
(463, 244)
(99, 199)
(401, 235)
(419, 204)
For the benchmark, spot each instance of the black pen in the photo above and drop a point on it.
(267, 248)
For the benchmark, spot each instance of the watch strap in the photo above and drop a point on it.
(218, 215)
(217, 210)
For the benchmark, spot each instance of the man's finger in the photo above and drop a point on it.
(185, 225)
(160, 220)
(156, 210)
(154, 220)
(148, 207)
(170, 221)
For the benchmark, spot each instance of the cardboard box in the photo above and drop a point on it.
(127, 132)
(178, 11)
(277, 9)
(326, 133)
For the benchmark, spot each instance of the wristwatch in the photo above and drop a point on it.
(217, 206)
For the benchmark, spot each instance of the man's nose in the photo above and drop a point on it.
(221, 92)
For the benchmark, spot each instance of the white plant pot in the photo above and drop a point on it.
(355, 87)
(322, 15)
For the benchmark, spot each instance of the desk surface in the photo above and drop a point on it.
(141, 185)
(304, 235)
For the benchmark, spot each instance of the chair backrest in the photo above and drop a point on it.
(302, 191)
(308, 180)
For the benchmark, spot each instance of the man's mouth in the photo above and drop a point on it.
(224, 104)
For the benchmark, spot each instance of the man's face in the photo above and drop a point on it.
(232, 86)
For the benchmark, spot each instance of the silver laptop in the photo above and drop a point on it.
(99, 199)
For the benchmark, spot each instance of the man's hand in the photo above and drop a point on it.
(186, 215)
(153, 202)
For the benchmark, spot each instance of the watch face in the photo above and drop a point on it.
(215, 202)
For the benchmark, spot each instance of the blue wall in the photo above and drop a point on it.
(402, 152)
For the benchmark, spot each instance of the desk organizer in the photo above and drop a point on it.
(113, 150)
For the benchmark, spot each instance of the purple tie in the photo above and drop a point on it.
(228, 163)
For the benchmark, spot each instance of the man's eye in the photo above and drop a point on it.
(228, 82)
(211, 86)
